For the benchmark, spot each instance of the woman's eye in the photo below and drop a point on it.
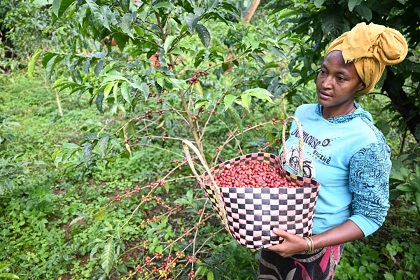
(340, 78)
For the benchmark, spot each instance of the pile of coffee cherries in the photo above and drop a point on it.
(254, 174)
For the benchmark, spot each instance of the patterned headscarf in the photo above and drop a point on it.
(370, 47)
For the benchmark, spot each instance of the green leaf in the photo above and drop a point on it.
(47, 57)
(145, 89)
(108, 89)
(100, 215)
(70, 146)
(91, 137)
(246, 101)
(168, 42)
(332, 22)
(115, 92)
(60, 6)
(103, 144)
(125, 92)
(114, 78)
(364, 11)
(87, 152)
(284, 14)
(127, 25)
(99, 66)
(202, 270)
(296, 40)
(50, 65)
(191, 20)
(198, 89)
(8, 276)
(258, 59)
(217, 16)
(417, 195)
(121, 40)
(228, 100)
(415, 182)
(318, 3)
(61, 156)
(107, 257)
(32, 62)
(99, 101)
(401, 174)
(237, 118)
(180, 84)
(259, 93)
(166, 5)
(86, 65)
(106, 16)
(353, 3)
(388, 276)
(62, 84)
(405, 188)
(125, 4)
(203, 34)
(251, 42)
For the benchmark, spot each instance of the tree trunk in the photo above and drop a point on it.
(251, 10)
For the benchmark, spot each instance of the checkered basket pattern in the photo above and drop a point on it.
(250, 214)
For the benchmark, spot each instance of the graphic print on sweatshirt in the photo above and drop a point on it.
(314, 148)
(292, 161)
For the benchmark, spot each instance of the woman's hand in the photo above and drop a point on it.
(291, 245)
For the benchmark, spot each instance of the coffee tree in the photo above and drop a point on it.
(153, 61)
(161, 72)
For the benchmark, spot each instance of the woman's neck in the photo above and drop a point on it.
(331, 113)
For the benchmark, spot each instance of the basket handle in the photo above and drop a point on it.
(187, 145)
(221, 209)
(283, 138)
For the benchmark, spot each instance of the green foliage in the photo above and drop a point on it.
(161, 68)
(24, 27)
(405, 177)
(317, 23)
(103, 190)
(4, 274)
(390, 253)
(217, 266)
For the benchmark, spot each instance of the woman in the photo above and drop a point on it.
(344, 151)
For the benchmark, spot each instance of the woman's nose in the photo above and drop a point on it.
(326, 81)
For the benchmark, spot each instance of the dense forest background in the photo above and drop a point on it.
(97, 96)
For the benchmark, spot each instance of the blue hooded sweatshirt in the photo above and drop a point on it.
(348, 155)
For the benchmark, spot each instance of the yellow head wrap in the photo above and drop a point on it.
(370, 47)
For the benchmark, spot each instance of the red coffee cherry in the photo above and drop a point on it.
(254, 174)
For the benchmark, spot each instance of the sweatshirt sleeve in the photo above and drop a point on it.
(369, 183)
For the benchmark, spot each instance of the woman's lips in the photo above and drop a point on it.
(323, 95)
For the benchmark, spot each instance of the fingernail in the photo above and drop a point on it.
(275, 230)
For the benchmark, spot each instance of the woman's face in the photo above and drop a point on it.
(337, 84)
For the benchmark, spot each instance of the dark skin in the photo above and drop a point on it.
(336, 86)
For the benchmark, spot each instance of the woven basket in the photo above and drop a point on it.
(250, 214)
